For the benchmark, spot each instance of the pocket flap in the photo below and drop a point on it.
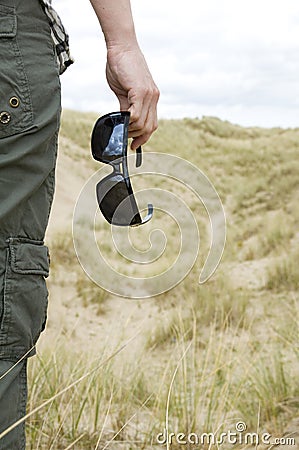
(8, 21)
(29, 257)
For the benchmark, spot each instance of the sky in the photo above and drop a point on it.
(234, 59)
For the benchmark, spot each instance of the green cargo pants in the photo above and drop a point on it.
(29, 123)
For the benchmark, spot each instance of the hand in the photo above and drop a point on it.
(129, 78)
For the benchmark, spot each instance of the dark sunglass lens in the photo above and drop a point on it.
(115, 202)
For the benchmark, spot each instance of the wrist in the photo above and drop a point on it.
(126, 41)
(118, 50)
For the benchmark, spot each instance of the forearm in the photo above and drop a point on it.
(115, 17)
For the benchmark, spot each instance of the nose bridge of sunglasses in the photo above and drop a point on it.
(117, 165)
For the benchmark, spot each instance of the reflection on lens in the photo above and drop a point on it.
(114, 148)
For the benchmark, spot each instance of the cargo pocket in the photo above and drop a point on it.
(15, 101)
(25, 297)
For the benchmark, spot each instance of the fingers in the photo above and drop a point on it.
(143, 109)
(123, 103)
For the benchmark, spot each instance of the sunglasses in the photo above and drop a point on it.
(109, 142)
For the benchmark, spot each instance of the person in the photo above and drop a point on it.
(34, 52)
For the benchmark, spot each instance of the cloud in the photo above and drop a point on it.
(238, 60)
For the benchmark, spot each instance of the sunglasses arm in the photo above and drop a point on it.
(138, 157)
(147, 217)
(149, 213)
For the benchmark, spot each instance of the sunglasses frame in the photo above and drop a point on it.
(120, 118)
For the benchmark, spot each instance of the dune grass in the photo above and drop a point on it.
(219, 378)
